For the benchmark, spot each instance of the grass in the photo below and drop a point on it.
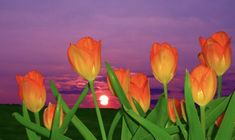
(10, 129)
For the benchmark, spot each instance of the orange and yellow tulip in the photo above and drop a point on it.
(48, 116)
(217, 52)
(139, 90)
(171, 111)
(85, 57)
(202, 59)
(203, 84)
(123, 77)
(164, 60)
(32, 90)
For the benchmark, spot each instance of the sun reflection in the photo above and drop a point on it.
(104, 100)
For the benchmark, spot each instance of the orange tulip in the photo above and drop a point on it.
(219, 120)
(171, 111)
(32, 90)
(139, 90)
(164, 60)
(123, 77)
(182, 106)
(85, 57)
(202, 59)
(48, 116)
(217, 52)
(203, 84)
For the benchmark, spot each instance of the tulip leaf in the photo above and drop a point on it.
(157, 132)
(132, 125)
(125, 134)
(71, 113)
(34, 127)
(226, 127)
(195, 129)
(31, 135)
(117, 87)
(179, 123)
(138, 107)
(56, 121)
(86, 133)
(158, 115)
(115, 121)
(215, 108)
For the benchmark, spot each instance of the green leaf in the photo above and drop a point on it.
(215, 108)
(72, 112)
(125, 134)
(157, 132)
(86, 133)
(179, 123)
(138, 107)
(114, 124)
(34, 127)
(158, 115)
(31, 135)
(56, 121)
(117, 87)
(226, 127)
(195, 129)
(132, 125)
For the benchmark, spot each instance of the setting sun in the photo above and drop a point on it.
(104, 100)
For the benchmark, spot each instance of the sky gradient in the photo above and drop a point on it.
(36, 35)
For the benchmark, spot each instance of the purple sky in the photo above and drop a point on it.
(36, 35)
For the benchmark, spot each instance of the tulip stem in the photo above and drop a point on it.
(37, 119)
(91, 83)
(203, 118)
(165, 91)
(219, 86)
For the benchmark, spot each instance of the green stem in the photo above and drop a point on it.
(219, 86)
(203, 118)
(37, 119)
(91, 83)
(165, 91)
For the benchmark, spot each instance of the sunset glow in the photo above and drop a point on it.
(104, 100)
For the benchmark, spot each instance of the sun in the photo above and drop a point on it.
(104, 100)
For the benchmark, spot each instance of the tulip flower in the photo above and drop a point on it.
(202, 59)
(48, 116)
(32, 90)
(182, 107)
(217, 54)
(203, 84)
(123, 77)
(164, 60)
(85, 57)
(171, 111)
(139, 90)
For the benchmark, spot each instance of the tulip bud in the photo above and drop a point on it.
(48, 116)
(217, 52)
(123, 77)
(182, 106)
(203, 84)
(32, 90)
(219, 120)
(139, 90)
(164, 60)
(171, 112)
(85, 57)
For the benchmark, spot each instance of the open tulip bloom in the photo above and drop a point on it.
(199, 116)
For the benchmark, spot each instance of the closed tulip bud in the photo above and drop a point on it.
(48, 116)
(217, 52)
(85, 57)
(219, 120)
(203, 84)
(171, 112)
(123, 77)
(32, 90)
(164, 60)
(182, 106)
(139, 90)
